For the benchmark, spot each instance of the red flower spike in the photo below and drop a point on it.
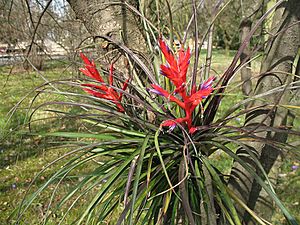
(172, 123)
(167, 53)
(194, 89)
(197, 97)
(207, 84)
(94, 86)
(90, 69)
(168, 123)
(184, 62)
(85, 59)
(102, 91)
(176, 71)
(125, 85)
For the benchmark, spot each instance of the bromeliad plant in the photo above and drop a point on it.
(136, 172)
(131, 169)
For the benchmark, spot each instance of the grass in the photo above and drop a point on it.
(22, 156)
(15, 84)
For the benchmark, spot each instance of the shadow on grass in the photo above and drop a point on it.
(19, 145)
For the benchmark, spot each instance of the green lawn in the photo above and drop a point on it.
(23, 156)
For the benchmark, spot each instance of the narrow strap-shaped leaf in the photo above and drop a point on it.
(166, 203)
(221, 186)
(252, 213)
(27, 202)
(129, 179)
(261, 182)
(106, 187)
(175, 211)
(79, 135)
(161, 159)
(123, 131)
(137, 177)
(184, 194)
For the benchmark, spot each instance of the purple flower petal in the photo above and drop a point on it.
(294, 167)
(155, 91)
(172, 127)
(207, 83)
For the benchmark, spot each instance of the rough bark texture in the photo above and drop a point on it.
(249, 10)
(280, 55)
(246, 74)
(104, 17)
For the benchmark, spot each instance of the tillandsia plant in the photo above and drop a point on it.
(138, 172)
(145, 151)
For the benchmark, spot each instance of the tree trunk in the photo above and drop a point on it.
(246, 74)
(276, 70)
(249, 10)
(35, 60)
(104, 17)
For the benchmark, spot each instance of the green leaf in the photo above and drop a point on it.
(137, 177)
(105, 188)
(223, 193)
(79, 135)
(161, 159)
(116, 129)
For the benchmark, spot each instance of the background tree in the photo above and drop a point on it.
(102, 17)
(276, 71)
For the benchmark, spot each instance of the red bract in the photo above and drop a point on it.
(176, 70)
(102, 91)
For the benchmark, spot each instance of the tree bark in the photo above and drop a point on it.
(275, 71)
(246, 74)
(103, 17)
(249, 10)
